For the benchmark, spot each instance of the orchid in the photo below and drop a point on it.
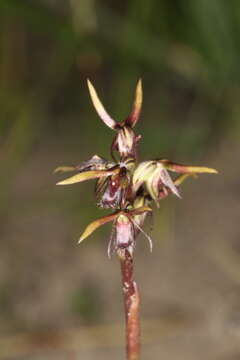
(129, 188)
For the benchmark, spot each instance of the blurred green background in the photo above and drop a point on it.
(63, 301)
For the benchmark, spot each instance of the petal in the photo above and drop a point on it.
(187, 169)
(99, 107)
(100, 185)
(152, 186)
(181, 178)
(144, 233)
(64, 169)
(140, 210)
(133, 117)
(167, 181)
(95, 163)
(86, 175)
(95, 224)
(142, 173)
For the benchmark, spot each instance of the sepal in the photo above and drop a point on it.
(133, 117)
(184, 169)
(106, 118)
(86, 175)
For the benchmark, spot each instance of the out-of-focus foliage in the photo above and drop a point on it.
(188, 50)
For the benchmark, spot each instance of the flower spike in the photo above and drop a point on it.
(106, 118)
(132, 119)
(128, 188)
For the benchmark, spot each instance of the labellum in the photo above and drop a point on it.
(124, 235)
(113, 192)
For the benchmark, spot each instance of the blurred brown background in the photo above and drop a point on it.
(63, 301)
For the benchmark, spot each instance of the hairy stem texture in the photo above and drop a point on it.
(131, 304)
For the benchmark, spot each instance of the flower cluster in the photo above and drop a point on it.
(123, 184)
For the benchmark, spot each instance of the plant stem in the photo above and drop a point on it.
(131, 305)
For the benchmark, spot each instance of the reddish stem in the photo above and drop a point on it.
(131, 304)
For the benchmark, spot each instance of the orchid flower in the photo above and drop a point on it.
(119, 184)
